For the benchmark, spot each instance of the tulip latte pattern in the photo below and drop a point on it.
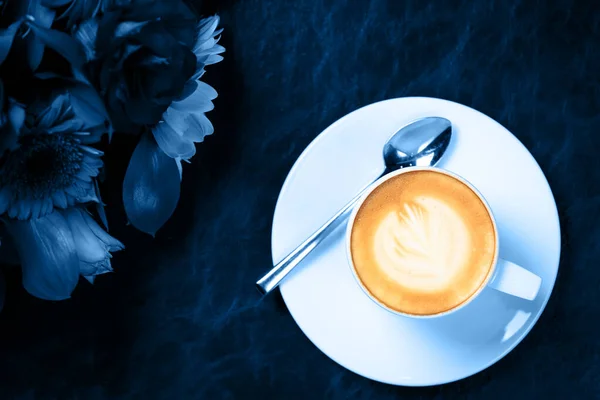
(423, 246)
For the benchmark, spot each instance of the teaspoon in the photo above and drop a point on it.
(421, 143)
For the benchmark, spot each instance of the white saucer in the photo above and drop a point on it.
(330, 307)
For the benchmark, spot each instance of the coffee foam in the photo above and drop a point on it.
(423, 246)
(423, 243)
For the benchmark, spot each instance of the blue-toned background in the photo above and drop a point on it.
(180, 317)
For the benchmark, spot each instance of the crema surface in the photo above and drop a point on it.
(423, 243)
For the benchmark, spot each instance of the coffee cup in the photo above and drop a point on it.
(423, 242)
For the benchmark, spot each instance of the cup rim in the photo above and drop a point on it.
(491, 273)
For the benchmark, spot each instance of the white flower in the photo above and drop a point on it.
(184, 123)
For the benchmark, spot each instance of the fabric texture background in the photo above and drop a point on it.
(180, 317)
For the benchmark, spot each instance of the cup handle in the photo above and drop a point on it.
(515, 280)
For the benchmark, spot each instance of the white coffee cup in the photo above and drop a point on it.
(504, 276)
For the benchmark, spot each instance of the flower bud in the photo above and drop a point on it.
(92, 243)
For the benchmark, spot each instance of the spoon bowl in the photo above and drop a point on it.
(420, 143)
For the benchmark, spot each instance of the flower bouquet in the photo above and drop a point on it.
(73, 73)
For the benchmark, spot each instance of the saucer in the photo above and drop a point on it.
(328, 304)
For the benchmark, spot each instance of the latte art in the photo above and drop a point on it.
(423, 246)
(422, 242)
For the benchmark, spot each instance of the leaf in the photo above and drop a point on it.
(62, 43)
(6, 39)
(151, 186)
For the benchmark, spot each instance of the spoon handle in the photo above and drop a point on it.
(274, 277)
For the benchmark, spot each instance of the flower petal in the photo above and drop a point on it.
(35, 47)
(24, 209)
(209, 47)
(48, 256)
(87, 269)
(129, 28)
(47, 207)
(60, 42)
(13, 211)
(207, 90)
(60, 199)
(58, 110)
(86, 35)
(91, 150)
(83, 175)
(170, 141)
(66, 126)
(212, 59)
(82, 192)
(82, 222)
(200, 127)
(91, 166)
(88, 105)
(206, 29)
(80, 10)
(36, 209)
(92, 243)
(151, 186)
(198, 101)
(206, 48)
(110, 243)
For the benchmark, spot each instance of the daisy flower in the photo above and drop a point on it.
(52, 167)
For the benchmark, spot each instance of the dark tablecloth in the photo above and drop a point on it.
(180, 317)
